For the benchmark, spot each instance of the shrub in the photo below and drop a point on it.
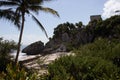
(93, 61)
(84, 68)
(5, 48)
(104, 48)
(14, 72)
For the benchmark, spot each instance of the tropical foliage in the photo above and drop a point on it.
(5, 48)
(16, 11)
(94, 61)
(109, 27)
(8, 69)
(15, 72)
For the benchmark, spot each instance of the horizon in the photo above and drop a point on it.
(70, 11)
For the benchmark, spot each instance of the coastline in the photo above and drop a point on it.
(38, 62)
(22, 56)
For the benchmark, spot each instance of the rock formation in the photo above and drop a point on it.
(68, 35)
(34, 48)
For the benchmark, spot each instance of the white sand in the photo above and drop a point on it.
(43, 61)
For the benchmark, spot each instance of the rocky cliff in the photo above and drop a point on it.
(68, 35)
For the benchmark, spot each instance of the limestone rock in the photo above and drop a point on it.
(61, 48)
(54, 46)
(34, 48)
(65, 37)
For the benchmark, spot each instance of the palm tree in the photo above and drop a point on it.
(22, 7)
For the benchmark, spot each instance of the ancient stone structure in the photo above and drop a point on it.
(95, 17)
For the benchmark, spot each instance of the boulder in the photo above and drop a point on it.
(34, 48)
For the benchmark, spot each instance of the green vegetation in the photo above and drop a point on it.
(94, 61)
(8, 69)
(101, 48)
(108, 28)
(5, 48)
(14, 72)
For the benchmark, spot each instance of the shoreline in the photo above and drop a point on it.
(38, 62)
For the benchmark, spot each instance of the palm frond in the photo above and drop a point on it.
(9, 15)
(49, 10)
(34, 2)
(36, 9)
(18, 1)
(8, 3)
(41, 26)
(17, 19)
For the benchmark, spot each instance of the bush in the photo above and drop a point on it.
(93, 61)
(104, 48)
(14, 72)
(84, 68)
(5, 48)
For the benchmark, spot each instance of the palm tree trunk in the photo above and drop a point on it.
(20, 38)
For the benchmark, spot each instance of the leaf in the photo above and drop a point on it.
(8, 3)
(41, 26)
(49, 10)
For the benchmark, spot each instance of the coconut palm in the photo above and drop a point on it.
(21, 8)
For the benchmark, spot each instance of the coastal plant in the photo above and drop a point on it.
(94, 61)
(108, 28)
(104, 48)
(16, 11)
(5, 48)
(15, 72)
(84, 68)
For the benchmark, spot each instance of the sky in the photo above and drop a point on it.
(71, 11)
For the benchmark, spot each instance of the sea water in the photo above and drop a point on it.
(21, 55)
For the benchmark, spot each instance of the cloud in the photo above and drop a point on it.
(110, 7)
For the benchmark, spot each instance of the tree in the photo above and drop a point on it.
(20, 8)
(79, 24)
(5, 48)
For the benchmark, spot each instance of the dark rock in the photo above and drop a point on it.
(61, 48)
(34, 48)
(47, 51)
(54, 45)
(65, 37)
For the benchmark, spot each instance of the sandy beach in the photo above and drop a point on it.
(39, 62)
